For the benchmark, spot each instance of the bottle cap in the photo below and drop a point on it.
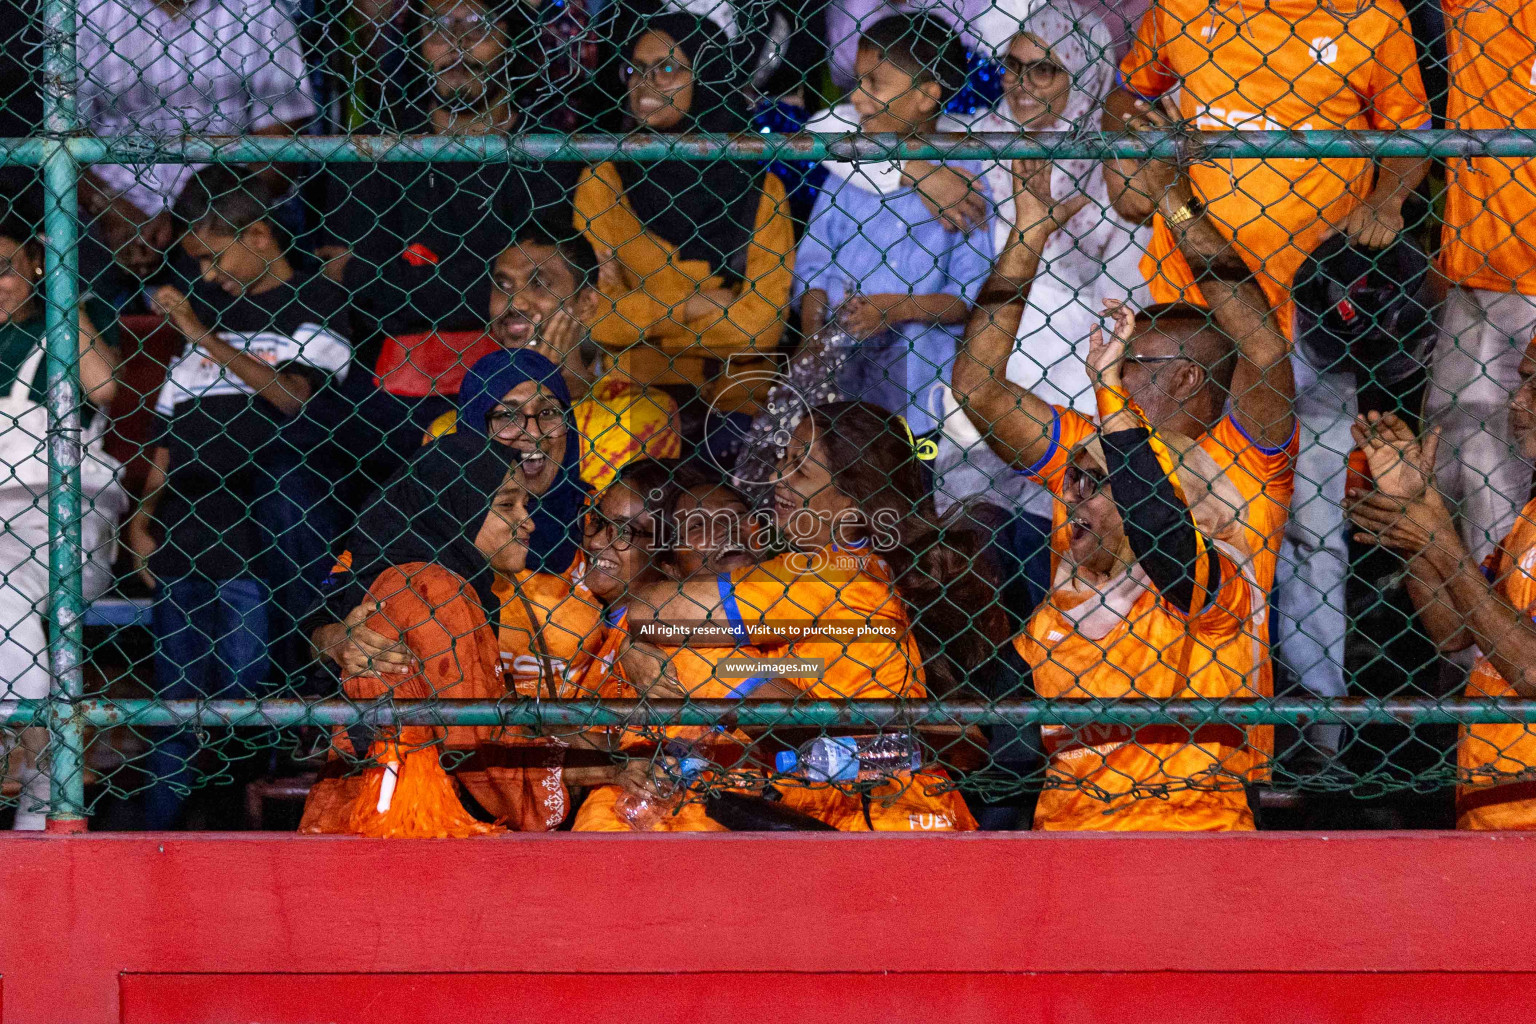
(785, 760)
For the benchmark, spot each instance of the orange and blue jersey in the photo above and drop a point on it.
(828, 594)
(1497, 761)
(1265, 477)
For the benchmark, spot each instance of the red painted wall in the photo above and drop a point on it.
(1354, 927)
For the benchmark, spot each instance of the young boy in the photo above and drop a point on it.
(226, 515)
(897, 279)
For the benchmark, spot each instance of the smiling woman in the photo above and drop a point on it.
(699, 255)
(429, 551)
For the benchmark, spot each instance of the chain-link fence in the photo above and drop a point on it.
(434, 417)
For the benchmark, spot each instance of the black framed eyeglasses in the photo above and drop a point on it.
(1038, 72)
(626, 532)
(541, 421)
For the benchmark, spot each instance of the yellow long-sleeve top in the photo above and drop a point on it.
(653, 340)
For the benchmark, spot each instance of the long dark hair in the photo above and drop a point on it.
(949, 594)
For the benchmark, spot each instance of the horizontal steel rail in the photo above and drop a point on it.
(1355, 711)
(1171, 145)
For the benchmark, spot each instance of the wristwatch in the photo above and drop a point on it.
(1189, 211)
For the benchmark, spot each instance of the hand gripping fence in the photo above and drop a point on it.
(596, 710)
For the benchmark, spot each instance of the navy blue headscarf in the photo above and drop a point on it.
(557, 512)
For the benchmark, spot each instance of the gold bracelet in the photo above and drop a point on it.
(1189, 211)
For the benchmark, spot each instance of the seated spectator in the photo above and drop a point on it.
(518, 399)
(698, 256)
(1057, 69)
(853, 501)
(701, 525)
(896, 278)
(173, 68)
(429, 548)
(543, 298)
(1152, 601)
(229, 485)
(625, 537)
(1228, 383)
(414, 244)
(848, 20)
(1461, 608)
(545, 616)
(24, 545)
(559, 44)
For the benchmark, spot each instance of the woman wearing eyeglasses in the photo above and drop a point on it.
(891, 607)
(1057, 69)
(698, 256)
(516, 402)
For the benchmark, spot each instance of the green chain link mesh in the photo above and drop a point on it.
(811, 481)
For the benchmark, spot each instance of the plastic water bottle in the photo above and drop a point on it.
(852, 758)
(652, 791)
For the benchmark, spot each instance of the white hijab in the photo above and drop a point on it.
(1082, 44)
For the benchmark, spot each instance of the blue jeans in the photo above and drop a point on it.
(210, 641)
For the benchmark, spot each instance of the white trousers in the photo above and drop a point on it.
(24, 617)
(1483, 334)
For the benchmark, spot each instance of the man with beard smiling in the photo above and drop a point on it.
(544, 298)
(412, 240)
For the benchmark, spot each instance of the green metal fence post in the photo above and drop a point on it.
(61, 266)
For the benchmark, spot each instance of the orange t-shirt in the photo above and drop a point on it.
(565, 619)
(1266, 478)
(1490, 202)
(841, 589)
(1493, 758)
(598, 674)
(1274, 65)
(1160, 777)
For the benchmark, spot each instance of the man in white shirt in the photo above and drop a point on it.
(171, 68)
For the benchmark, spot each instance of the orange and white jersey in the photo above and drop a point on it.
(1498, 762)
(1161, 777)
(1490, 202)
(1269, 65)
(565, 618)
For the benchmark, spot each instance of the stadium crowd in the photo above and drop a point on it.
(1072, 429)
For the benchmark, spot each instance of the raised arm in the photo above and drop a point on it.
(1263, 387)
(1129, 193)
(1017, 425)
(1159, 526)
(1396, 469)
